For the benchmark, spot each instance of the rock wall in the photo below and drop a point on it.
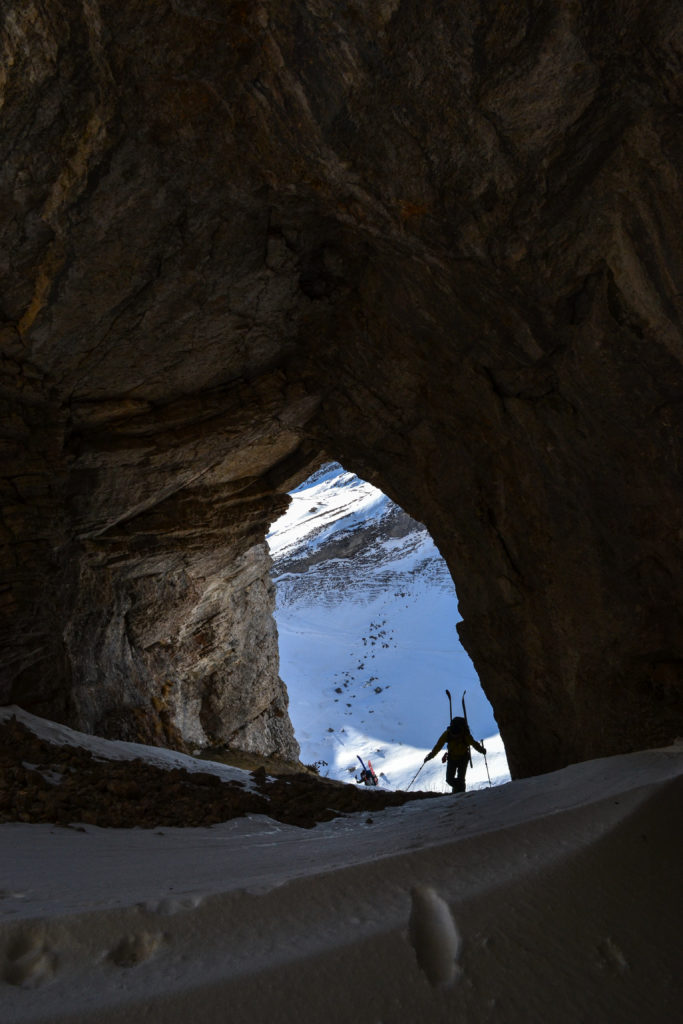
(436, 241)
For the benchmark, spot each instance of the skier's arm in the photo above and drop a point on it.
(437, 746)
(477, 746)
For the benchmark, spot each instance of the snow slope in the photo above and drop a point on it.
(366, 614)
(549, 899)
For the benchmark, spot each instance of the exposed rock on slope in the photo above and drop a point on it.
(439, 242)
(43, 781)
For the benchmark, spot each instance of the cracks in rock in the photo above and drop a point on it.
(47, 276)
(101, 347)
(580, 160)
(512, 562)
(541, 385)
(145, 506)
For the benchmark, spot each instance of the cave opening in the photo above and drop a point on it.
(366, 611)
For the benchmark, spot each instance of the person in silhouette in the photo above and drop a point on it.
(459, 741)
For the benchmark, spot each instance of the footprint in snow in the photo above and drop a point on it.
(434, 936)
(30, 962)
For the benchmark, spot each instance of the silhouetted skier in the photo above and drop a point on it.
(459, 741)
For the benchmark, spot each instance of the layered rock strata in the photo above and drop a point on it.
(438, 242)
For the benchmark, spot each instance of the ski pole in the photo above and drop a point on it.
(464, 712)
(450, 705)
(487, 768)
(414, 777)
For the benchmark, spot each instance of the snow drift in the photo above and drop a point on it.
(553, 898)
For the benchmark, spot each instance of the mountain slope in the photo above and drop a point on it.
(366, 613)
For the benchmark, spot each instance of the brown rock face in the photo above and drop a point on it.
(439, 242)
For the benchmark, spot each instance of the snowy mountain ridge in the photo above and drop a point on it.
(366, 613)
(355, 534)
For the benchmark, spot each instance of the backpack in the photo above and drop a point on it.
(458, 728)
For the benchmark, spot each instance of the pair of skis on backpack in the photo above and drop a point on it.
(464, 715)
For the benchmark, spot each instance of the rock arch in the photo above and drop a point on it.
(437, 242)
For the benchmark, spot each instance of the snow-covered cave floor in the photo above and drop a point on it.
(549, 899)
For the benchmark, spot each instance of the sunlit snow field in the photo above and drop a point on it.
(368, 644)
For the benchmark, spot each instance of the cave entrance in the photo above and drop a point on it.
(366, 612)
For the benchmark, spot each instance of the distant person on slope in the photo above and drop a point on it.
(368, 777)
(459, 741)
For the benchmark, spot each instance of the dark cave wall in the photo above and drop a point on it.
(437, 241)
(516, 517)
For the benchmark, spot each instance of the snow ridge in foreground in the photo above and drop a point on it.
(545, 899)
